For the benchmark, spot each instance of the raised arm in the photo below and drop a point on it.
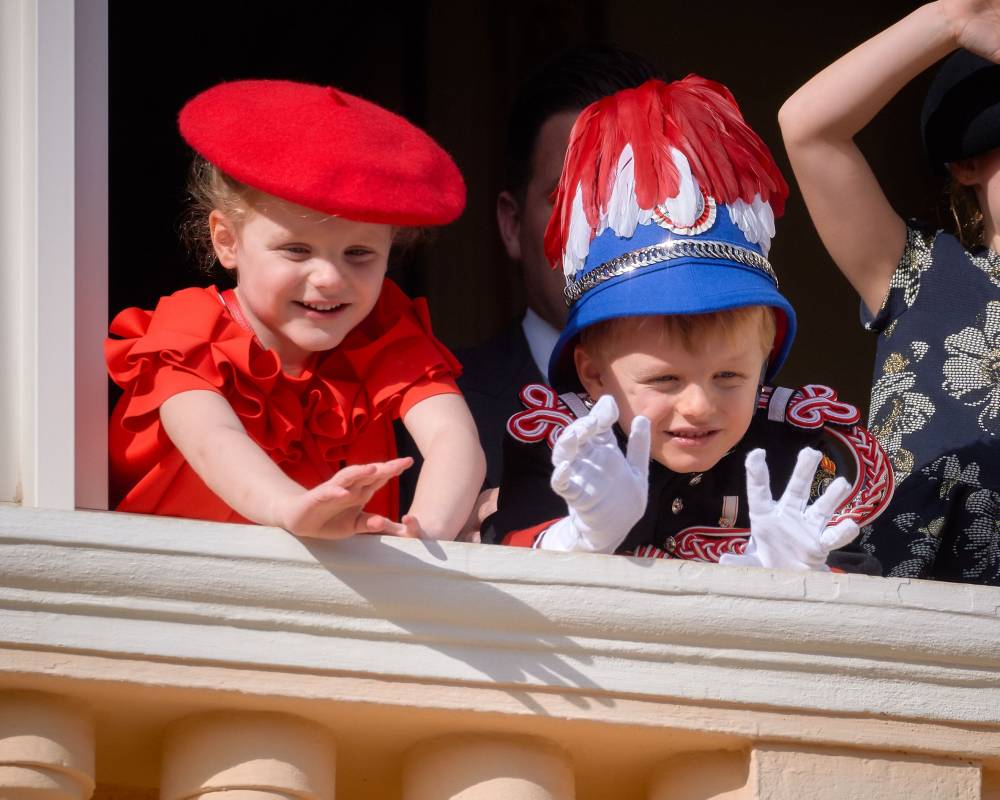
(207, 432)
(863, 234)
(454, 465)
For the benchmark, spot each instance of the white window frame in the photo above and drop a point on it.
(54, 251)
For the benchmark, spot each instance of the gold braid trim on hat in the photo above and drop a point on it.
(667, 251)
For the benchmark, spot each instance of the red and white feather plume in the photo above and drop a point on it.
(661, 145)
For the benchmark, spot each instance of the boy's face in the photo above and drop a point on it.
(699, 402)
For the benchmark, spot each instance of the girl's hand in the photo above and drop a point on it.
(976, 25)
(408, 528)
(333, 510)
(412, 528)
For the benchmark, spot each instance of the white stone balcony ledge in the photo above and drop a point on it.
(386, 642)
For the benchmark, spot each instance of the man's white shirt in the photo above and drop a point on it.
(542, 339)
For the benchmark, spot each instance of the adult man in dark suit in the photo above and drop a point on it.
(539, 124)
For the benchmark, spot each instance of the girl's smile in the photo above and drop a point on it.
(304, 279)
(321, 308)
(321, 311)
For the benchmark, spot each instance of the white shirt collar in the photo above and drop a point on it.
(542, 339)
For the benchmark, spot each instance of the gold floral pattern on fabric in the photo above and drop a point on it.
(989, 262)
(915, 261)
(894, 364)
(949, 477)
(933, 528)
(936, 411)
(982, 536)
(972, 370)
(897, 410)
(922, 550)
(902, 463)
(947, 472)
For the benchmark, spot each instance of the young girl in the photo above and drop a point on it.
(933, 297)
(274, 402)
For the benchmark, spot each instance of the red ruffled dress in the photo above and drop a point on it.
(339, 411)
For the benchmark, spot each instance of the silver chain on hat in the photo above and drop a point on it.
(667, 251)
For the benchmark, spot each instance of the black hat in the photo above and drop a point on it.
(961, 115)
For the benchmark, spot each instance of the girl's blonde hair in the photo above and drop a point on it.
(690, 329)
(210, 189)
(963, 204)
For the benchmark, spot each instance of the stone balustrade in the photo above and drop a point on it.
(46, 747)
(249, 755)
(152, 657)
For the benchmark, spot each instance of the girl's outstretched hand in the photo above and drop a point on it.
(976, 25)
(334, 509)
(408, 527)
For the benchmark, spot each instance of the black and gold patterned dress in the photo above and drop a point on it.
(935, 409)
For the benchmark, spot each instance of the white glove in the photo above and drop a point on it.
(605, 490)
(790, 534)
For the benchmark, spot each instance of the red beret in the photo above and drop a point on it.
(326, 150)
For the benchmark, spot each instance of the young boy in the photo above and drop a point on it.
(662, 223)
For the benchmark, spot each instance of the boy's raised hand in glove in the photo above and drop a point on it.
(789, 533)
(604, 488)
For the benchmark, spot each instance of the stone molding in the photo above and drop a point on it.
(732, 641)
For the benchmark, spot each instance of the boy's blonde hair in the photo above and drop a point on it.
(210, 189)
(689, 329)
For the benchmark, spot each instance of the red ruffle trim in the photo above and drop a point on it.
(191, 342)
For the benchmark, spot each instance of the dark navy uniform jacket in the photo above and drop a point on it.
(699, 516)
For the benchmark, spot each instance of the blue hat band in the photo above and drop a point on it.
(667, 251)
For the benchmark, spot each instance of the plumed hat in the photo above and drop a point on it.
(325, 149)
(666, 205)
(961, 114)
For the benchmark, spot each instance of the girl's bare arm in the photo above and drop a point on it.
(454, 465)
(863, 234)
(207, 432)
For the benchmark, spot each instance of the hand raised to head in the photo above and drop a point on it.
(975, 25)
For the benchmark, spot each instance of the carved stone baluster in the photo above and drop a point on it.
(485, 767)
(46, 748)
(248, 756)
